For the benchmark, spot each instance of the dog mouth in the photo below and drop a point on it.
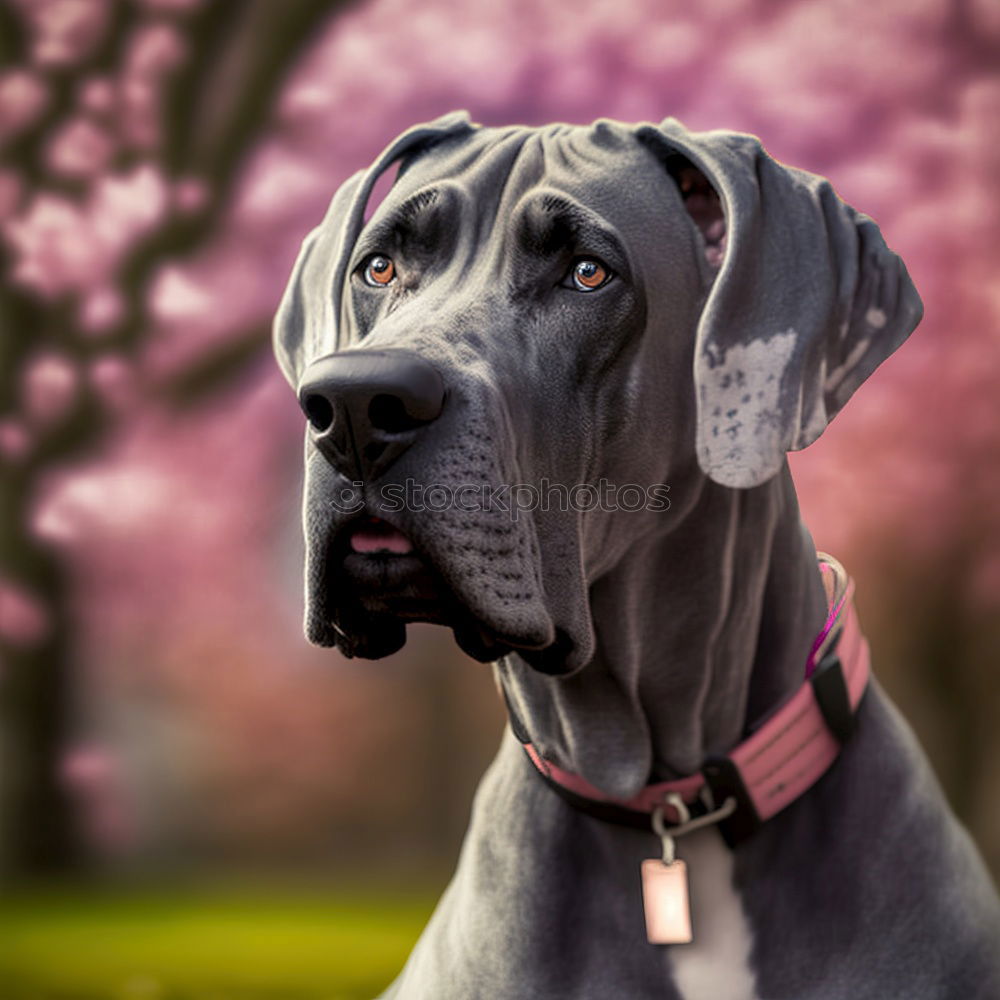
(385, 575)
(383, 583)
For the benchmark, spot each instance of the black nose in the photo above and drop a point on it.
(365, 408)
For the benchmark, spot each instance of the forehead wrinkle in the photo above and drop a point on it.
(559, 216)
(599, 165)
(481, 168)
(566, 149)
(547, 159)
(400, 218)
(586, 228)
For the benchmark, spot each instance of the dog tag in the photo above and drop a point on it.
(665, 900)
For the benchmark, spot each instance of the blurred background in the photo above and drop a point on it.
(195, 803)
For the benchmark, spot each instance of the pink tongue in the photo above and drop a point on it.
(380, 540)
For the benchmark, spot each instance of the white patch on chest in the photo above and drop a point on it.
(716, 965)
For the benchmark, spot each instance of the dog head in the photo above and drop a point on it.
(538, 332)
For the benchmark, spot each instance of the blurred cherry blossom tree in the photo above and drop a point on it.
(124, 127)
(164, 160)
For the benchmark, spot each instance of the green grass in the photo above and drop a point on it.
(204, 946)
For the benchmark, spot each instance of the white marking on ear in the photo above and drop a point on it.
(740, 399)
(835, 376)
(875, 318)
(716, 964)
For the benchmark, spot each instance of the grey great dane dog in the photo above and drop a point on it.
(637, 305)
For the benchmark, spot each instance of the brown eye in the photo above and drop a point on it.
(589, 274)
(379, 270)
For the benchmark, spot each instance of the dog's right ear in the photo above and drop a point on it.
(307, 321)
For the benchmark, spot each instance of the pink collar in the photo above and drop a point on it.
(781, 759)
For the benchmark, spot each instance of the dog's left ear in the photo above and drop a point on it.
(807, 303)
(302, 334)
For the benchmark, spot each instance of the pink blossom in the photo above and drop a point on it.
(80, 148)
(23, 618)
(190, 195)
(87, 765)
(124, 206)
(97, 95)
(114, 380)
(11, 188)
(101, 309)
(49, 387)
(177, 298)
(93, 775)
(985, 16)
(60, 245)
(278, 177)
(139, 124)
(154, 50)
(51, 246)
(64, 31)
(23, 96)
(131, 498)
(203, 301)
(14, 439)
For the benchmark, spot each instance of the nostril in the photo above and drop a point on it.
(319, 411)
(388, 413)
(366, 407)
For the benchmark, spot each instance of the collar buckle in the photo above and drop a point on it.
(830, 690)
(686, 822)
(725, 782)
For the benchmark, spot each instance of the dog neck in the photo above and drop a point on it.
(700, 631)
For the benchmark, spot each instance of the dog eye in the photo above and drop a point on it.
(379, 270)
(588, 275)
